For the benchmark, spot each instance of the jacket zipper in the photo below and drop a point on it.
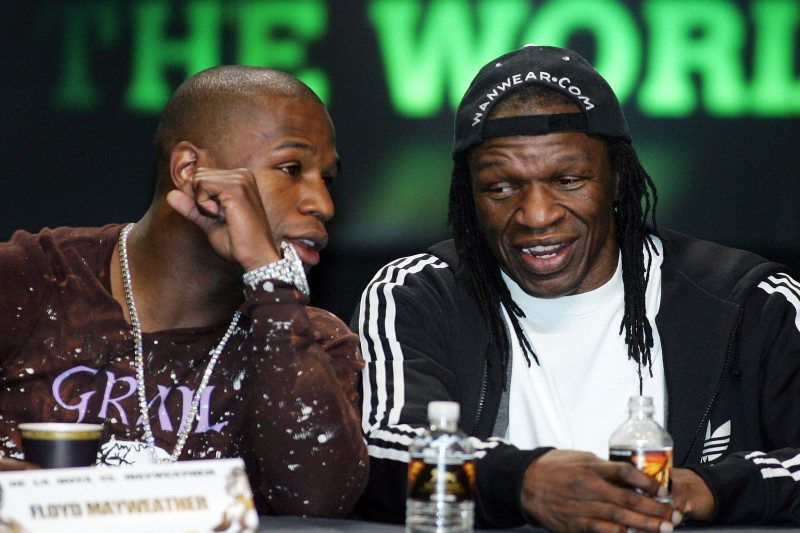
(482, 398)
(728, 354)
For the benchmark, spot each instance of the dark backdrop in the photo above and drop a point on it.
(710, 87)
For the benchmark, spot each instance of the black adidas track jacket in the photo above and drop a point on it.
(729, 324)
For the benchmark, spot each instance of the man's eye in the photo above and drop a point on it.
(292, 169)
(569, 181)
(329, 181)
(499, 189)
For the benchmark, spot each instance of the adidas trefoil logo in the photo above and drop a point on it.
(716, 442)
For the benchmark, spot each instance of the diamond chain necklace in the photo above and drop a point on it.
(139, 360)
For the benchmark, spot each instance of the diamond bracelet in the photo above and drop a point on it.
(289, 269)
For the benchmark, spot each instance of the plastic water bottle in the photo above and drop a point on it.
(642, 442)
(441, 476)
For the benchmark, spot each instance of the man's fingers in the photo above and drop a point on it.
(210, 185)
(210, 207)
(186, 206)
(576, 491)
(692, 495)
(623, 505)
(181, 202)
(227, 206)
(627, 475)
(643, 502)
(614, 516)
(597, 515)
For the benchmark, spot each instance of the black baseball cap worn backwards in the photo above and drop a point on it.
(557, 68)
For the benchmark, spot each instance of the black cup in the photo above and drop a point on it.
(60, 444)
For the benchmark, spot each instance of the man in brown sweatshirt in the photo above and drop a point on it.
(188, 334)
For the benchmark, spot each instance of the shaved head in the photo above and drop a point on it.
(207, 108)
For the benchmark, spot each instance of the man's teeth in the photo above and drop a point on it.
(541, 252)
(309, 243)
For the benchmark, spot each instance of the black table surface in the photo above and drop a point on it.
(318, 525)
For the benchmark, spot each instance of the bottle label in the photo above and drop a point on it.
(655, 463)
(451, 483)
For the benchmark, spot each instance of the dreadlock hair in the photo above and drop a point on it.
(636, 203)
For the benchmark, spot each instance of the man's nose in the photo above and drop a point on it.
(539, 207)
(316, 199)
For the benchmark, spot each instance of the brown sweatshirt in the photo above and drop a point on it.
(282, 395)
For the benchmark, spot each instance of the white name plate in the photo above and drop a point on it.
(185, 497)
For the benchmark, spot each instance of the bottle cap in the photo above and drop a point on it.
(644, 403)
(443, 410)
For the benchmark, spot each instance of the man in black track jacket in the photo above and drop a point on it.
(555, 302)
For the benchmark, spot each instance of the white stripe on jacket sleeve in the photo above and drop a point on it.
(383, 379)
(787, 286)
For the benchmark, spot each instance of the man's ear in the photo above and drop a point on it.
(616, 187)
(186, 157)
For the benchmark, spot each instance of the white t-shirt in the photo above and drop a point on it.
(578, 394)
